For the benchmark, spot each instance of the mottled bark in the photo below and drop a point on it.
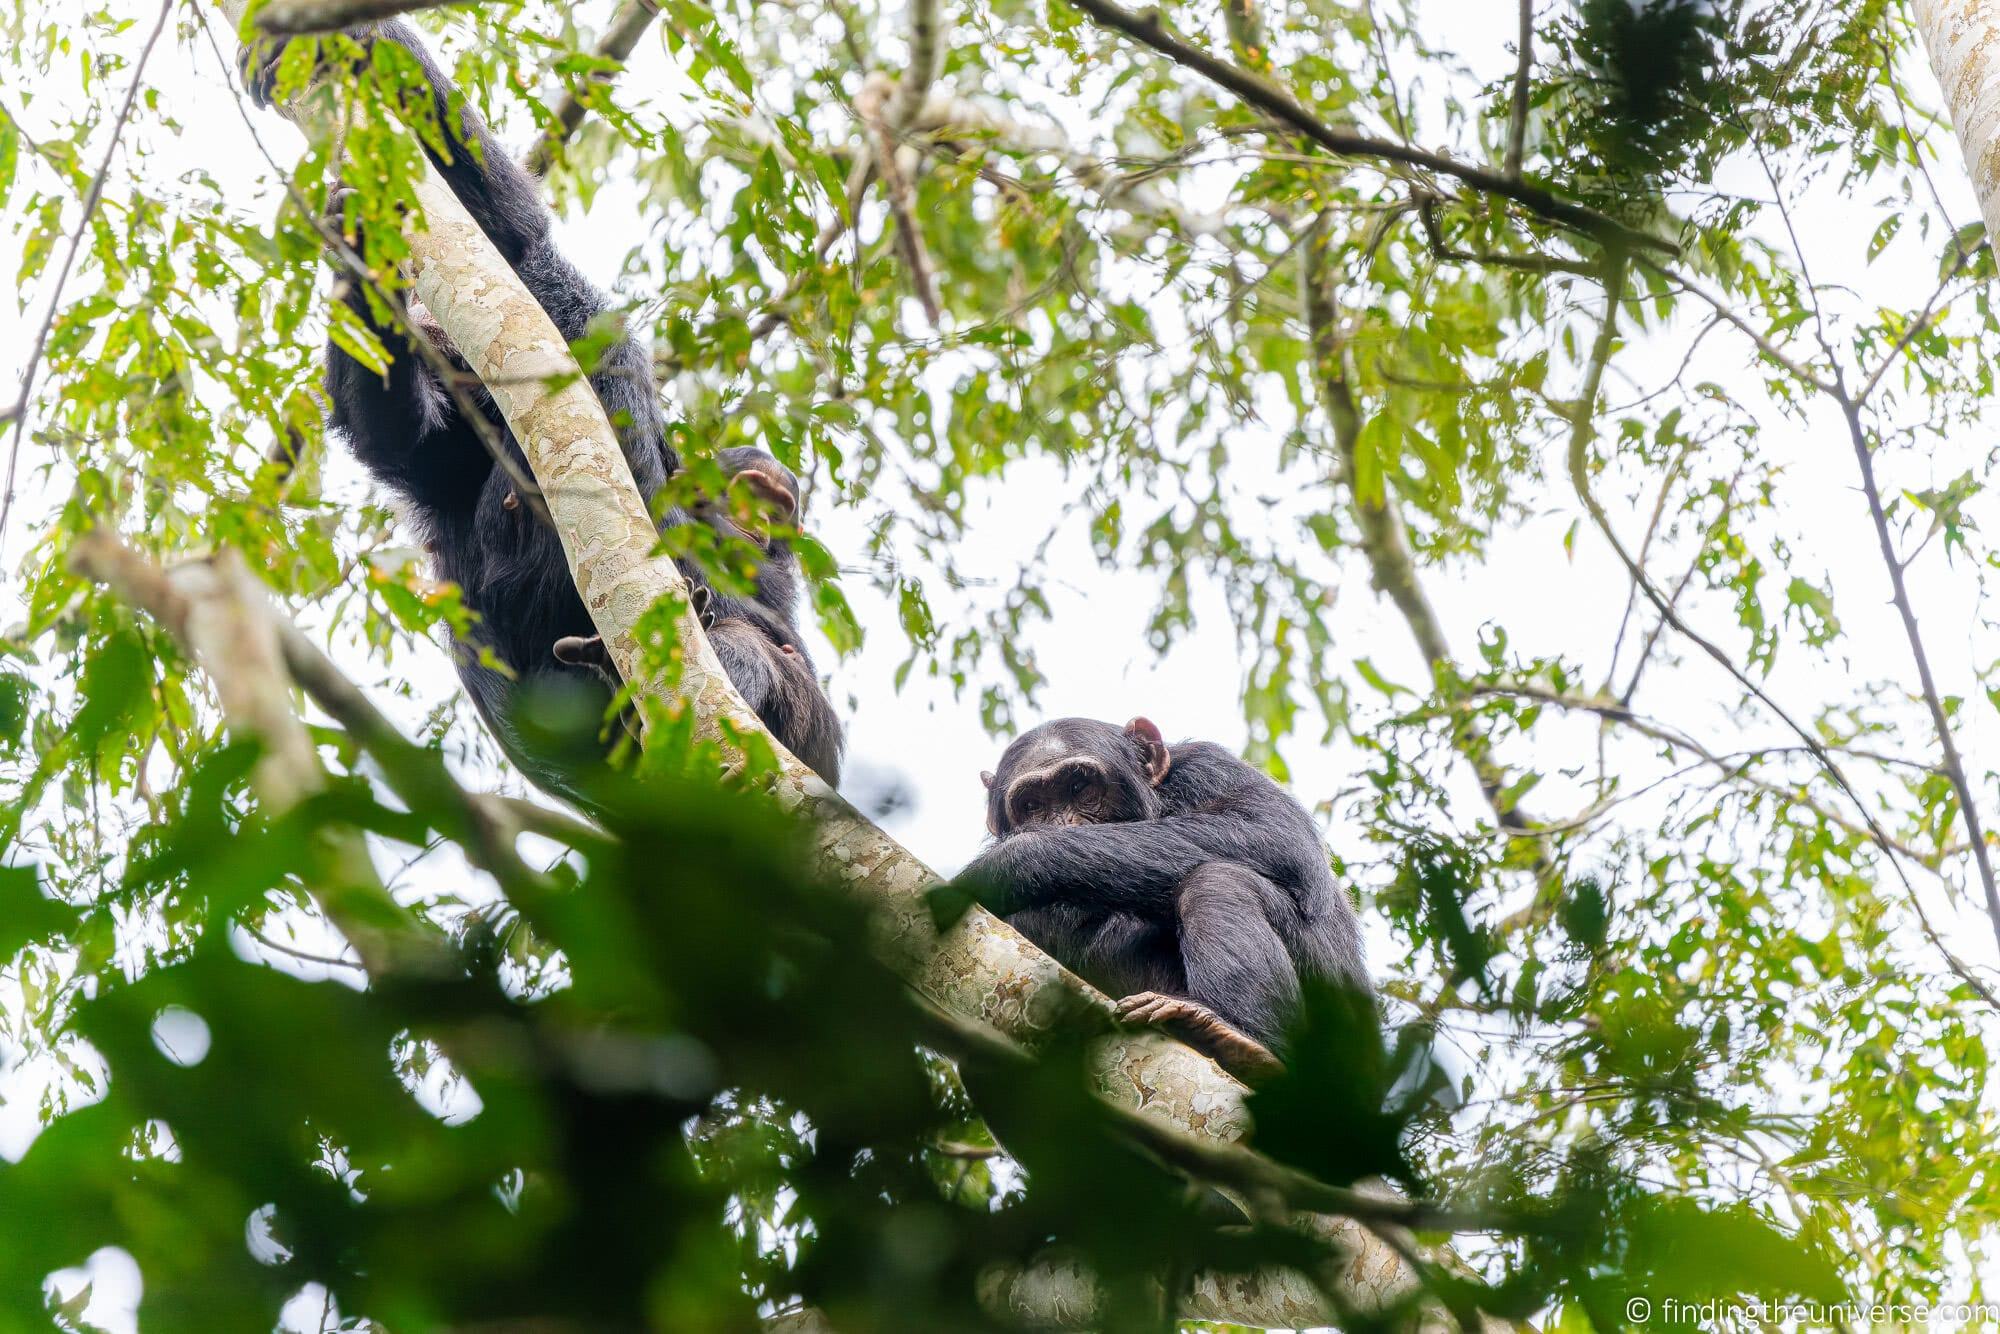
(1963, 38)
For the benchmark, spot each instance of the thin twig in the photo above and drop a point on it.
(304, 956)
(1729, 315)
(17, 416)
(1954, 765)
(1579, 443)
(1923, 321)
(628, 25)
(1517, 124)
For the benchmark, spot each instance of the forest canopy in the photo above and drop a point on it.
(1548, 440)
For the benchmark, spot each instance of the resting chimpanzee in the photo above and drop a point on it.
(1180, 879)
(411, 433)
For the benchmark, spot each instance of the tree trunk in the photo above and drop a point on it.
(1961, 36)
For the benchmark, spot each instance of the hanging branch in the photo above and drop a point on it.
(1149, 30)
(216, 610)
(1386, 545)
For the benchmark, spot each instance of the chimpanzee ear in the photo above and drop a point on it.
(1152, 748)
(992, 821)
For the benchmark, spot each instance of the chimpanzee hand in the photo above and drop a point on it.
(258, 62)
(1204, 1030)
(588, 651)
(333, 219)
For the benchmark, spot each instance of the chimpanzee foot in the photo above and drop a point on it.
(582, 651)
(1204, 1030)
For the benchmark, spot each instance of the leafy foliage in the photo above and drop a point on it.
(1689, 990)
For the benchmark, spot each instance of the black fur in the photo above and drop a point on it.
(411, 434)
(1209, 883)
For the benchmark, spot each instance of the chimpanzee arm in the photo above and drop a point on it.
(506, 202)
(776, 680)
(1133, 866)
(402, 423)
(399, 411)
(500, 195)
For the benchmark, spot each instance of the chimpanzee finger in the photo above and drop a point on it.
(257, 63)
(1148, 1007)
(581, 651)
(334, 219)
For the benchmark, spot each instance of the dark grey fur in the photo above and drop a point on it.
(410, 433)
(1213, 885)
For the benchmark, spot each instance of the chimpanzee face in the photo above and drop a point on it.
(1076, 771)
(1076, 791)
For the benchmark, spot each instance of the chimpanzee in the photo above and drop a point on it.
(1179, 878)
(413, 435)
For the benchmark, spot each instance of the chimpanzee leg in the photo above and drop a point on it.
(1236, 961)
(1239, 981)
(777, 683)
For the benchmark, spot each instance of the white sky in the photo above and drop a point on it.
(930, 746)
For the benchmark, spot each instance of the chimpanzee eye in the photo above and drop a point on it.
(1077, 784)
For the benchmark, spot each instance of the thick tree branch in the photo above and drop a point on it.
(217, 610)
(871, 104)
(294, 18)
(628, 25)
(1149, 30)
(1524, 61)
(926, 59)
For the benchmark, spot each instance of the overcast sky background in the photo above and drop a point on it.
(929, 747)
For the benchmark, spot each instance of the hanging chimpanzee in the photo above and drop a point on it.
(413, 434)
(1179, 878)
